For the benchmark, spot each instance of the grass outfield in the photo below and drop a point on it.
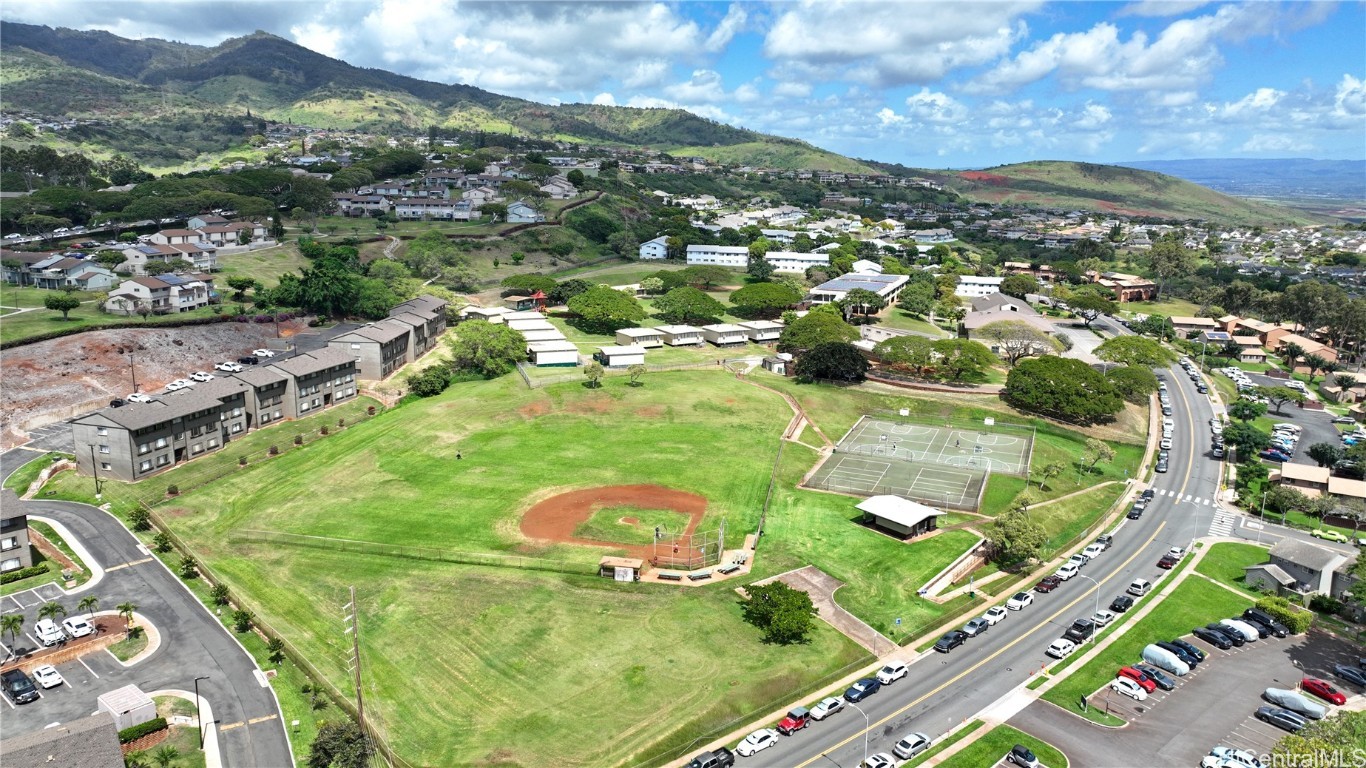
(630, 525)
(1195, 603)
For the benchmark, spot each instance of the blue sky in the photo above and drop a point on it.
(929, 84)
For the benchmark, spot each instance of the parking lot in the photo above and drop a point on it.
(1317, 425)
(1211, 705)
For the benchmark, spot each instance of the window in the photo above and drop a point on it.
(317, 402)
(163, 460)
(275, 415)
(104, 449)
(101, 431)
(213, 442)
(236, 427)
(9, 543)
(161, 441)
(265, 418)
(303, 406)
(104, 465)
(144, 466)
(355, 346)
(236, 411)
(9, 565)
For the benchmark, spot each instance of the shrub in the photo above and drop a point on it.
(130, 735)
(1325, 604)
(172, 490)
(370, 411)
(298, 439)
(241, 620)
(341, 422)
(23, 573)
(1296, 619)
(161, 542)
(241, 461)
(187, 567)
(219, 593)
(323, 430)
(141, 519)
(275, 450)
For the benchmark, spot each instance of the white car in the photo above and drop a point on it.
(880, 760)
(138, 397)
(893, 671)
(14, 236)
(1061, 648)
(78, 627)
(1067, 571)
(1126, 687)
(48, 633)
(178, 385)
(262, 353)
(1166, 444)
(1092, 550)
(229, 367)
(201, 376)
(1102, 618)
(1239, 757)
(827, 707)
(994, 615)
(1176, 552)
(1019, 601)
(47, 676)
(757, 742)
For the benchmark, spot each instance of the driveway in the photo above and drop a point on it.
(193, 643)
(1212, 705)
(1084, 341)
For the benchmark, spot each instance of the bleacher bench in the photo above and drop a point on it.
(729, 569)
(665, 576)
(699, 576)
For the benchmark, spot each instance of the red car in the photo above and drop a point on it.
(1323, 690)
(1147, 683)
(1167, 562)
(1048, 584)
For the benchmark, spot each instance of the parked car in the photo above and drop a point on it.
(1102, 618)
(1167, 562)
(1166, 443)
(138, 397)
(1234, 637)
(77, 626)
(1106, 540)
(19, 689)
(1080, 560)
(1265, 619)
(1190, 659)
(1092, 550)
(1239, 757)
(893, 671)
(1122, 604)
(1135, 512)
(248, 360)
(48, 633)
(47, 676)
(1161, 467)
(1248, 630)
(1189, 649)
(1136, 675)
(1328, 535)
(1162, 658)
(1148, 493)
(1061, 648)
(1271, 454)
(911, 745)
(1295, 702)
(862, 690)
(975, 627)
(757, 742)
(879, 760)
(994, 615)
(1126, 687)
(263, 353)
(178, 385)
(1281, 718)
(1140, 587)
(1158, 676)
(1019, 601)
(796, 719)
(1323, 689)
(1353, 675)
(1080, 631)
(1022, 756)
(1047, 584)
(1215, 639)
(951, 639)
(201, 376)
(1067, 571)
(717, 758)
(229, 367)
(827, 707)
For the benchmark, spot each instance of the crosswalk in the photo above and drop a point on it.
(1188, 498)
(1222, 523)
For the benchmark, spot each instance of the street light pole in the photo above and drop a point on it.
(198, 711)
(1093, 581)
(1261, 523)
(868, 726)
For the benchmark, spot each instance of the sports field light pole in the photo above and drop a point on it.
(1093, 581)
(198, 711)
(868, 726)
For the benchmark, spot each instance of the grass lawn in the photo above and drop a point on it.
(185, 741)
(23, 325)
(264, 266)
(992, 746)
(961, 734)
(21, 478)
(53, 575)
(129, 647)
(630, 525)
(902, 320)
(1224, 563)
(1195, 603)
(1171, 307)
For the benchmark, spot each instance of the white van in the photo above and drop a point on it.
(1140, 587)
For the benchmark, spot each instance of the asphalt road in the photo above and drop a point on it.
(943, 690)
(251, 733)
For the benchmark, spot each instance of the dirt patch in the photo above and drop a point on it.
(650, 412)
(532, 410)
(554, 519)
(629, 521)
(594, 406)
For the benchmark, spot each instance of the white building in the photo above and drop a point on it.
(792, 261)
(719, 255)
(970, 286)
(640, 337)
(725, 334)
(886, 286)
(620, 357)
(553, 353)
(762, 331)
(680, 335)
(657, 248)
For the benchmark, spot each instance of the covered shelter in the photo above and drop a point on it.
(621, 568)
(901, 517)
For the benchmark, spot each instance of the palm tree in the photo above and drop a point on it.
(126, 610)
(1291, 352)
(51, 611)
(165, 755)
(1343, 381)
(88, 604)
(1315, 363)
(12, 624)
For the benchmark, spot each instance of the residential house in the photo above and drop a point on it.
(680, 335)
(431, 313)
(1192, 327)
(1127, 287)
(657, 248)
(792, 261)
(886, 286)
(18, 265)
(973, 323)
(1309, 346)
(175, 237)
(14, 542)
(415, 209)
(1000, 302)
(1309, 480)
(933, 236)
(265, 399)
(1303, 569)
(200, 257)
(559, 188)
(233, 232)
(204, 220)
(1250, 349)
(620, 357)
(521, 213)
(640, 337)
(361, 205)
(72, 273)
(379, 348)
(977, 285)
(162, 294)
(480, 195)
(725, 334)
(317, 380)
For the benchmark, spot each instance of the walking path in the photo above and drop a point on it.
(821, 587)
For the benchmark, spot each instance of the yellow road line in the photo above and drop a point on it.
(125, 565)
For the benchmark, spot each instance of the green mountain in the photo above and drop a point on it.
(1130, 191)
(131, 82)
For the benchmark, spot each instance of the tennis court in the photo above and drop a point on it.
(942, 465)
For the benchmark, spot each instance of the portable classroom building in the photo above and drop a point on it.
(680, 335)
(535, 324)
(620, 357)
(491, 314)
(552, 334)
(640, 337)
(553, 353)
(762, 331)
(725, 334)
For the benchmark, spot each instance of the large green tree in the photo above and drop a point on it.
(1019, 286)
(765, 300)
(603, 310)
(486, 348)
(339, 744)
(832, 360)
(1340, 737)
(915, 353)
(1089, 306)
(1278, 396)
(1016, 339)
(1016, 537)
(961, 359)
(917, 299)
(814, 329)
(689, 306)
(785, 615)
(1134, 383)
(61, 302)
(1135, 350)
(1064, 388)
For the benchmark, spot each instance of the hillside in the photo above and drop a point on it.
(1130, 191)
(131, 83)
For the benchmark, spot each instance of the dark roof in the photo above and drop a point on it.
(90, 742)
(220, 387)
(261, 377)
(1306, 555)
(312, 362)
(430, 303)
(382, 331)
(135, 416)
(998, 300)
(10, 507)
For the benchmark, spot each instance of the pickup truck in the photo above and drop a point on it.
(720, 758)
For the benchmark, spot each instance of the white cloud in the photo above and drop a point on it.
(318, 37)
(1161, 7)
(934, 107)
(605, 99)
(1279, 142)
(1259, 102)
(888, 44)
(1350, 100)
(792, 90)
(704, 86)
(1182, 143)
(733, 23)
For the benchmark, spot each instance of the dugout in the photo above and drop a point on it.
(621, 568)
(900, 517)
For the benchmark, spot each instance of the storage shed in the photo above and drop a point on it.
(640, 337)
(553, 353)
(762, 331)
(620, 357)
(898, 516)
(680, 335)
(725, 334)
(128, 705)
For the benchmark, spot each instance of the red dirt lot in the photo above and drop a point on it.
(54, 380)
(556, 518)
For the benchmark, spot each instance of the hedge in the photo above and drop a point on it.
(130, 735)
(23, 573)
(1297, 620)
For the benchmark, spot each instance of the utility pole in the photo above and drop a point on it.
(95, 472)
(354, 630)
(134, 371)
